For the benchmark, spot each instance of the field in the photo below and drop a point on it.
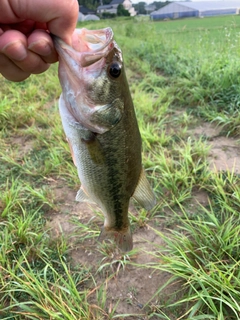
(184, 77)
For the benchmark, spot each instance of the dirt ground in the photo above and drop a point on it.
(133, 286)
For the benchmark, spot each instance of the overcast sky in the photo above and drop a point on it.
(150, 1)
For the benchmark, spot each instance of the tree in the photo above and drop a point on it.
(160, 4)
(87, 3)
(140, 7)
(93, 4)
(121, 11)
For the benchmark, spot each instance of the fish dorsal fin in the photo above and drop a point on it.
(143, 193)
(83, 197)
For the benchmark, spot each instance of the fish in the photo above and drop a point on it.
(100, 125)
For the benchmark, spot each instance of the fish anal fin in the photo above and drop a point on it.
(83, 197)
(143, 193)
(122, 238)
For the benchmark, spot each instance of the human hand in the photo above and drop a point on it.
(26, 46)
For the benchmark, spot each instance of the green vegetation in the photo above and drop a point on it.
(182, 74)
(121, 11)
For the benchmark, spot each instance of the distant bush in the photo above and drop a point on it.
(108, 15)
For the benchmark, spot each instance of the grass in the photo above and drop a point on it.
(204, 253)
(181, 74)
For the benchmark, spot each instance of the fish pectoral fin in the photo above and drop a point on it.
(109, 115)
(83, 197)
(143, 193)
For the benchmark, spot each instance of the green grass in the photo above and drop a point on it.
(181, 73)
(204, 254)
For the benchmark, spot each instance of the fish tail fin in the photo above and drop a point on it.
(122, 238)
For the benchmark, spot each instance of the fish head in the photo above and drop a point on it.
(91, 75)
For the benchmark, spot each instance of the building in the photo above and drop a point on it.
(113, 5)
(85, 10)
(91, 17)
(150, 8)
(81, 16)
(86, 14)
(106, 8)
(185, 9)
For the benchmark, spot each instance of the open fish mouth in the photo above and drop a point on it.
(83, 68)
(95, 40)
(88, 47)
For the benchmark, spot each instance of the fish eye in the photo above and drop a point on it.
(115, 70)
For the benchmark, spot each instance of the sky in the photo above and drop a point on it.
(150, 1)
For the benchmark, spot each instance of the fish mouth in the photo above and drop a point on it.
(80, 68)
(88, 46)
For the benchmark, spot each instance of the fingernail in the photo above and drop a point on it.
(41, 47)
(15, 50)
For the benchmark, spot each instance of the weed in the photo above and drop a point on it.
(204, 253)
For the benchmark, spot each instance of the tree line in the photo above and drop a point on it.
(139, 7)
(93, 4)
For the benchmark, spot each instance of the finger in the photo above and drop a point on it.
(40, 42)
(60, 16)
(13, 44)
(10, 71)
(26, 26)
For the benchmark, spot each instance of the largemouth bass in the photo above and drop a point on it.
(100, 124)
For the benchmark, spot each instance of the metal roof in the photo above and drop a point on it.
(81, 16)
(210, 5)
(89, 17)
(107, 6)
(117, 2)
(199, 5)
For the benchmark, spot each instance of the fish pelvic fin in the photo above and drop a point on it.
(143, 193)
(83, 197)
(122, 238)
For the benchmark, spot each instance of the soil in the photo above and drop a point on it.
(224, 152)
(130, 287)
